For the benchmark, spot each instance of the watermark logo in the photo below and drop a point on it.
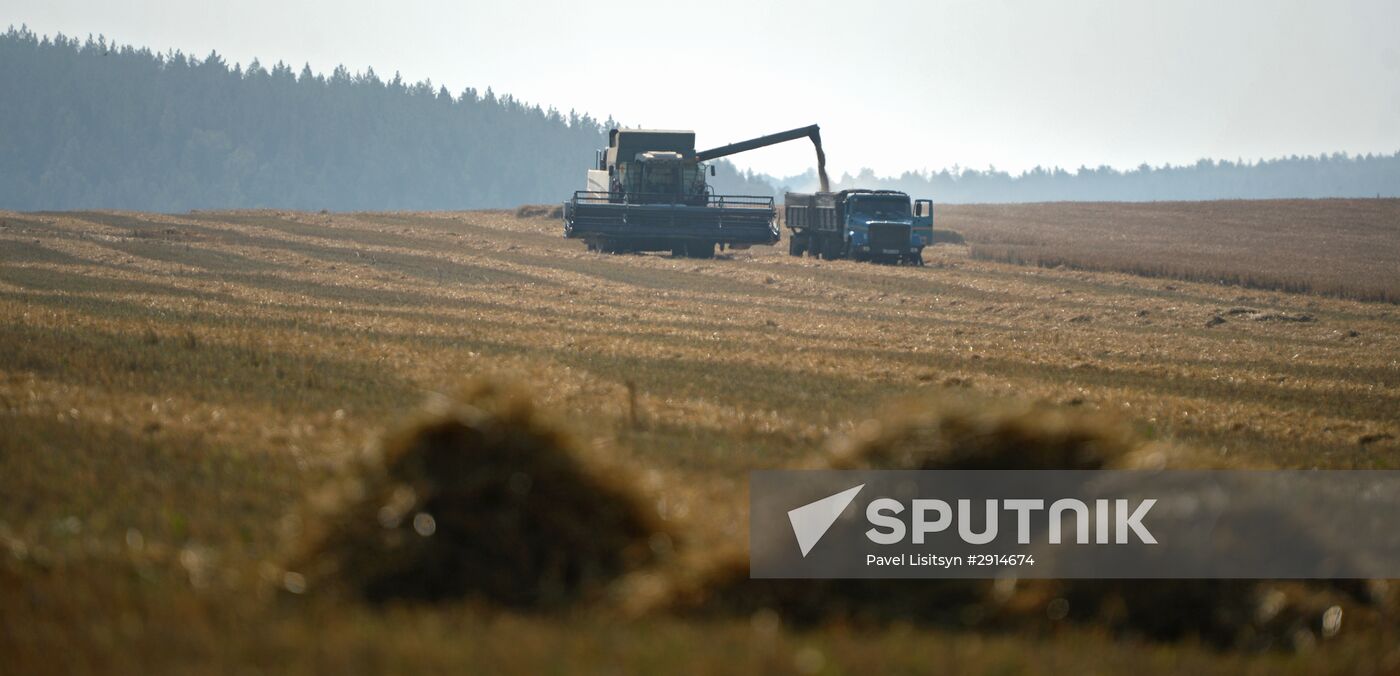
(811, 521)
(1075, 524)
(887, 528)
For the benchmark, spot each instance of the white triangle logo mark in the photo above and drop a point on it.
(811, 521)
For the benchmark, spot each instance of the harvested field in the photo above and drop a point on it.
(1333, 247)
(175, 389)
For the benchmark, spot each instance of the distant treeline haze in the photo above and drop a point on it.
(91, 124)
(1337, 175)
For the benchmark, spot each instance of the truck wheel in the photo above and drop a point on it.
(835, 249)
(797, 245)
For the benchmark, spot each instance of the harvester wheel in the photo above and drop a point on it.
(700, 249)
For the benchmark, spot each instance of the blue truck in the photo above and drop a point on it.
(863, 225)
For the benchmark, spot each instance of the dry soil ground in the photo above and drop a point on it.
(173, 386)
(1339, 247)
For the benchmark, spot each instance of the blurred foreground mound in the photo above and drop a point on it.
(965, 433)
(973, 434)
(477, 498)
(944, 433)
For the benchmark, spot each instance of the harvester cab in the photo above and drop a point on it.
(663, 176)
(648, 192)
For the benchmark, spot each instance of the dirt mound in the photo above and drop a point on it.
(988, 435)
(942, 433)
(969, 433)
(1263, 316)
(539, 211)
(477, 497)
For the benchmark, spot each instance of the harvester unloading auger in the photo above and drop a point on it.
(813, 132)
(649, 193)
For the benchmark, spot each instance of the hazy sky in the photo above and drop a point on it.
(895, 85)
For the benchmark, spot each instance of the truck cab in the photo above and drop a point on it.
(883, 224)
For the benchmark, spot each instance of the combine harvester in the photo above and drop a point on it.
(648, 193)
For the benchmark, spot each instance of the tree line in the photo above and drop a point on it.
(1319, 176)
(92, 124)
(89, 124)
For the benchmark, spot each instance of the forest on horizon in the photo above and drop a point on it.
(87, 123)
